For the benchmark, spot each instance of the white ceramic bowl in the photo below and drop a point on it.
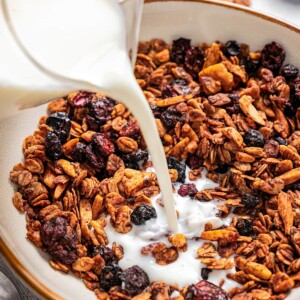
(203, 21)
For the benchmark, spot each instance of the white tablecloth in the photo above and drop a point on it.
(285, 9)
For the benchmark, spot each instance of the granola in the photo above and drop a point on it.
(217, 107)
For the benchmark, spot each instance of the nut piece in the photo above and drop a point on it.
(285, 210)
(282, 282)
(179, 241)
(215, 235)
(290, 176)
(127, 145)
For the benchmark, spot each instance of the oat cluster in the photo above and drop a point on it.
(220, 107)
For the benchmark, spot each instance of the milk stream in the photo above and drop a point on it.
(76, 44)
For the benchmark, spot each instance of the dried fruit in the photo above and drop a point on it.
(272, 56)
(232, 48)
(194, 162)
(93, 158)
(130, 129)
(280, 140)
(170, 117)
(253, 138)
(106, 253)
(99, 111)
(179, 49)
(271, 148)
(136, 156)
(135, 280)
(175, 88)
(250, 200)
(173, 163)
(81, 99)
(61, 124)
(289, 72)
(205, 290)
(143, 213)
(110, 276)
(205, 273)
(53, 146)
(78, 152)
(193, 61)
(187, 189)
(102, 144)
(251, 65)
(244, 227)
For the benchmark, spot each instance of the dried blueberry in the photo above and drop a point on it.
(250, 200)
(222, 168)
(280, 140)
(53, 146)
(136, 156)
(233, 107)
(173, 163)
(135, 280)
(193, 61)
(179, 48)
(94, 159)
(132, 165)
(244, 227)
(273, 56)
(289, 72)
(187, 189)
(253, 138)
(143, 213)
(78, 152)
(110, 276)
(61, 124)
(170, 117)
(251, 65)
(232, 48)
(102, 144)
(106, 253)
(100, 109)
(194, 162)
(205, 273)
(205, 290)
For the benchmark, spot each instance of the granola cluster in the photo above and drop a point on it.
(220, 107)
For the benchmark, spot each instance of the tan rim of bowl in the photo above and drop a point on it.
(13, 261)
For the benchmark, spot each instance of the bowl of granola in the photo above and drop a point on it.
(223, 84)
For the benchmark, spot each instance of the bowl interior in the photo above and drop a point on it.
(199, 21)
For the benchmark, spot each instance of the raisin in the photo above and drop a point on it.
(132, 165)
(205, 273)
(110, 276)
(289, 72)
(205, 290)
(136, 156)
(168, 91)
(179, 48)
(61, 124)
(233, 107)
(81, 99)
(222, 168)
(143, 213)
(232, 48)
(173, 163)
(170, 117)
(187, 189)
(194, 162)
(103, 145)
(295, 92)
(135, 280)
(250, 200)
(280, 140)
(78, 152)
(93, 158)
(130, 129)
(53, 146)
(193, 61)
(100, 110)
(271, 148)
(273, 56)
(251, 65)
(244, 227)
(253, 138)
(106, 253)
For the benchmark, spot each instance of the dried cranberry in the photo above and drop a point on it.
(280, 140)
(136, 156)
(244, 227)
(170, 117)
(205, 290)
(103, 145)
(93, 158)
(193, 61)
(289, 72)
(205, 273)
(81, 99)
(53, 146)
(175, 88)
(106, 253)
(143, 213)
(61, 124)
(168, 91)
(250, 200)
(173, 163)
(78, 152)
(187, 189)
(110, 276)
(232, 48)
(179, 48)
(251, 65)
(53, 230)
(273, 56)
(130, 129)
(100, 109)
(253, 138)
(135, 280)
(271, 148)
(194, 162)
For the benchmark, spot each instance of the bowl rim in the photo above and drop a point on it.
(25, 275)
